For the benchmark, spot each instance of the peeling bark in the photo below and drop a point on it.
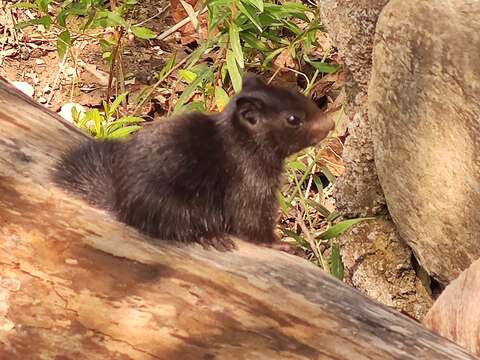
(456, 313)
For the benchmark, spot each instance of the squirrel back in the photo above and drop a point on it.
(88, 171)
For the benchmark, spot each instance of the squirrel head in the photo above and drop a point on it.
(277, 119)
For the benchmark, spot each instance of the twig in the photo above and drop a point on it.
(179, 25)
(170, 104)
(142, 102)
(313, 243)
(57, 77)
(160, 12)
(118, 40)
(220, 56)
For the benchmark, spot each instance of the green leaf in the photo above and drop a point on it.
(115, 19)
(233, 71)
(122, 132)
(336, 264)
(224, 72)
(197, 54)
(81, 121)
(166, 68)
(107, 55)
(24, 5)
(190, 89)
(328, 174)
(116, 103)
(319, 207)
(339, 228)
(62, 17)
(282, 202)
(106, 45)
(247, 11)
(300, 240)
(318, 183)
(105, 18)
(94, 116)
(324, 67)
(334, 215)
(45, 21)
(75, 114)
(287, 10)
(236, 46)
(143, 32)
(221, 98)
(194, 106)
(64, 42)
(297, 165)
(98, 122)
(292, 27)
(273, 55)
(254, 42)
(124, 120)
(129, 119)
(257, 3)
(187, 75)
(43, 5)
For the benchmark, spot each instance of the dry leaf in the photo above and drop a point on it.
(188, 34)
(331, 157)
(285, 60)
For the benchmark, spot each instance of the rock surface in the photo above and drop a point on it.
(425, 109)
(380, 264)
(351, 24)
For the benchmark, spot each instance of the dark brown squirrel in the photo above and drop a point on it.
(200, 178)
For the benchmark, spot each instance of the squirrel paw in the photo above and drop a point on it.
(218, 242)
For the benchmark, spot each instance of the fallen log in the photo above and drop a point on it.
(76, 284)
(456, 314)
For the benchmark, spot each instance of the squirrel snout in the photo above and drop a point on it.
(321, 126)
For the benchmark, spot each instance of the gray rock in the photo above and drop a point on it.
(379, 263)
(351, 24)
(424, 105)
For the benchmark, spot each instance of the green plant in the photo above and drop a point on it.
(302, 199)
(104, 125)
(246, 34)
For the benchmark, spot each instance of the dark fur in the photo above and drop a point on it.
(200, 177)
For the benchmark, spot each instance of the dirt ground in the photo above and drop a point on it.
(30, 55)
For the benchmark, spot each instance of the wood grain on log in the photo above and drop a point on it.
(456, 314)
(76, 284)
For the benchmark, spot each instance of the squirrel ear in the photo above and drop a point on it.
(248, 111)
(251, 81)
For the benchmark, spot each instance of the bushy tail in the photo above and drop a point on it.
(87, 171)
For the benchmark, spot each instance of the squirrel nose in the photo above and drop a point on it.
(323, 124)
(332, 126)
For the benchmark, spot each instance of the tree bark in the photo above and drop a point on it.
(76, 284)
(456, 314)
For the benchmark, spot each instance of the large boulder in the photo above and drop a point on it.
(351, 24)
(424, 106)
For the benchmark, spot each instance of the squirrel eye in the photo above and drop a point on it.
(294, 120)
